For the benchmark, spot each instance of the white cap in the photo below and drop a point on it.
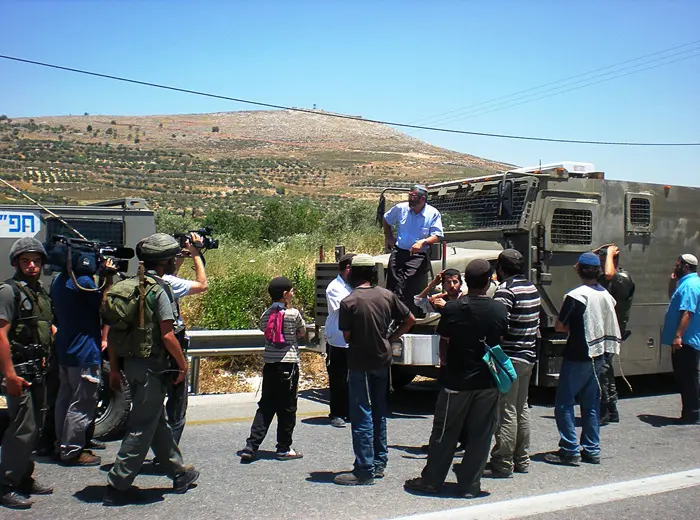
(690, 259)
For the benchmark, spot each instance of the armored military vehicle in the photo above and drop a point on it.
(121, 222)
(551, 214)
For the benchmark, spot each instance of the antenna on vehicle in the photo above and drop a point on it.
(47, 210)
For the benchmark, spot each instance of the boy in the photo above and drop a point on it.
(280, 374)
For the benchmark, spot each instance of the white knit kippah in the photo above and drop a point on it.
(690, 259)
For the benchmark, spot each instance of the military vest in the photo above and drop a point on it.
(33, 315)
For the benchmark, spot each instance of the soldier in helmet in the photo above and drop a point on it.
(25, 339)
(147, 377)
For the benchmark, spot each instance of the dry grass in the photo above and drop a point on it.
(222, 375)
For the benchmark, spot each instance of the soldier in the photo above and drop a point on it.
(620, 285)
(147, 376)
(25, 339)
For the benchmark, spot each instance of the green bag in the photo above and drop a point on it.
(128, 334)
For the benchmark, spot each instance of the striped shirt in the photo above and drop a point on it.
(523, 303)
(293, 323)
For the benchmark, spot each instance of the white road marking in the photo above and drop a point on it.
(564, 500)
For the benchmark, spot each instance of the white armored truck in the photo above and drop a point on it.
(551, 214)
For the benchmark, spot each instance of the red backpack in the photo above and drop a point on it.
(274, 330)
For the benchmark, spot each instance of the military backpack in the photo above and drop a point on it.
(129, 310)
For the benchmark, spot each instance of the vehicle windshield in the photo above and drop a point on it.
(476, 205)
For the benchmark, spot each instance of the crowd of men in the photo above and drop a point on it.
(61, 329)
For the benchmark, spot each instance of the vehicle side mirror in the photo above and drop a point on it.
(505, 198)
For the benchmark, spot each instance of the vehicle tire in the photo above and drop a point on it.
(400, 378)
(112, 408)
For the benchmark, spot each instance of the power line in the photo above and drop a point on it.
(338, 116)
(556, 90)
(436, 118)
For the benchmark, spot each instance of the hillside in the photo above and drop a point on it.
(230, 159)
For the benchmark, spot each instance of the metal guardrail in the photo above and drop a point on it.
(224, 343)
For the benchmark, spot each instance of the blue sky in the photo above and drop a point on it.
(399, 61)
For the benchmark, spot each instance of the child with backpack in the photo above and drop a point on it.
(283, 326)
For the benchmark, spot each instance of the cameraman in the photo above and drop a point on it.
(77, 300)
(176, 405)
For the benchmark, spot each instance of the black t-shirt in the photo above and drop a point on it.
(571, 314)
(466, 321)
(621, 287)
(367, 314)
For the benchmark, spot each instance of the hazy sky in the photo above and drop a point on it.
(399, 61)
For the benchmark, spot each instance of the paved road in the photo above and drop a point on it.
(640, 446)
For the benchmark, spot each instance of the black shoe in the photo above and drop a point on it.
(494, 473)
(684, 421)
(521, 469)
(614, 417)
(349, 479)
(95, 445)
(378, 472)
(115, 497)
(45, 451)
(604, 419)
(338, 422)
(13, 500)
(589, 458)
(247, 455)
(183, 481)
(563, 459)
(32, 487)
(472, 492)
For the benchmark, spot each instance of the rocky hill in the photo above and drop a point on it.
(230, 159)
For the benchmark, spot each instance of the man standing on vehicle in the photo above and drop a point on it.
(682, 332)
(176, 405)
(147, 376)
(77, 301)
(365, 317)
(522, 300)
(419, 225)
(588, 316)
(26, 321)
(621, 287)
(336, 346)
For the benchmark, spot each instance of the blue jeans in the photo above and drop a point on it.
(578, 378)
(368, 409)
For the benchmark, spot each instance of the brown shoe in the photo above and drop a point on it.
(86, 458)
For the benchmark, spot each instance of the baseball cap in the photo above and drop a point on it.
(346, 257)
(362, 260)
(589, 259)
(476, 268)
(689, 259)
(419, 188)
(511, 258)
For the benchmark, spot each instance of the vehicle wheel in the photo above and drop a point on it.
(112, 408)
(400, 378)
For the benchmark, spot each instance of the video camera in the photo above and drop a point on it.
(86, 258)
(205, 233)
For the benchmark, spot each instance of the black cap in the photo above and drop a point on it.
(346, 258)
(511, 260)
(477, 268)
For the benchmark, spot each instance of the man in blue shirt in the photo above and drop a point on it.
(418, 226)
(77, 300)
(682, 332)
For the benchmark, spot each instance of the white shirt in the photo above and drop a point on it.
(336, 291)
(180, 287)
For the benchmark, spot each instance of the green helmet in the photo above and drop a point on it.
(27, 245)
(159, 246)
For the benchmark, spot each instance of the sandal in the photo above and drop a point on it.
(289, 455)
(418, 485)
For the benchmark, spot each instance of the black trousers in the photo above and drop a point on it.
(337, 366)
(406, 276)
(608, 389)
(686, 368)
(280, 382)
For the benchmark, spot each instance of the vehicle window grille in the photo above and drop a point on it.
(572, 226)
(466, 208)
(640, 212)
(103, 231)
